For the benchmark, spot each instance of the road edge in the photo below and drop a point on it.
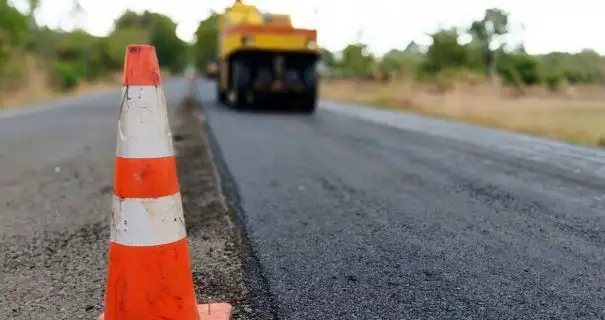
(254, 274)
(466, 122)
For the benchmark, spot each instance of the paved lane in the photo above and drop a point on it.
(364, 214)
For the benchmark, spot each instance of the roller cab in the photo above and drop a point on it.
(266, 61)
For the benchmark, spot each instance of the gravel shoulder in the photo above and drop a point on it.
(226, 270)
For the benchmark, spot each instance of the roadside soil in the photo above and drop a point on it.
(572, 114)
(224, 271)
(35, 86)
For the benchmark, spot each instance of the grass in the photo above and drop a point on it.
(573, 114)
(34, 86)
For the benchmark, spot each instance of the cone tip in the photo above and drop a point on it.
(141, 66)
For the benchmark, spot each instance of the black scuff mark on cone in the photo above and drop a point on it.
(124, 98)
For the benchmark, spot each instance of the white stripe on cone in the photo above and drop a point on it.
(143, 130)
(147, 222)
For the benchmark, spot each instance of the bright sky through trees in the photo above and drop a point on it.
(562, 25)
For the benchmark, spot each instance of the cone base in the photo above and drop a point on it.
(212, 311)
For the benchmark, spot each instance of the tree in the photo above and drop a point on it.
(392, 61)
(445, 53)
(158, 30)
(171, 51)
(412, 48)
(206, 43)
(131, 19)
(328, 58)
(91, 53)
(486, 32)
(13, 25)
(13, 29)
(33, 7)
(518, 69)
(356, 59)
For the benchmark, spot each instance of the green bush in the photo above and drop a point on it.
(553, 80)
(445, 53)
(65, 75)
(519, 69)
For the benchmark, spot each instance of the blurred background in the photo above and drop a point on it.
(532, 66)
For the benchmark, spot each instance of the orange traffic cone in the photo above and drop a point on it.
(149, 272)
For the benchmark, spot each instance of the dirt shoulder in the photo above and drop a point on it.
(223, 267)
(36, 86)
(24, 97)
(571, 114)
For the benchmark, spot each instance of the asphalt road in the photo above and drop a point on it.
(352, 213)
(357, 213)
(55, 188)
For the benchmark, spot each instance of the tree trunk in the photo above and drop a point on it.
(490, 64)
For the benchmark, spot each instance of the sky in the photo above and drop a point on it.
(544, 26)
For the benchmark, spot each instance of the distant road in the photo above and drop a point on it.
(357, 213)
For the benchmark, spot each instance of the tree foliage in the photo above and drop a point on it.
(328, 58)
(13, 25)
(157, 30)
(13, 34)
(357, 59)
(206, 44)
(77, 55)
(488, 30)
(445, 52)
(171, 51)
(486, 53)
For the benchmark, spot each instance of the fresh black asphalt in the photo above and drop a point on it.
(357, 213)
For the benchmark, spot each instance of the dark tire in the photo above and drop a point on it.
(240, 82)
(241, 102)
(309, 102)
(309, 98)
(221, 96)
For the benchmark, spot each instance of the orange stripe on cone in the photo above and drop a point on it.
(146, 282)
(145, 178)
(149, 270)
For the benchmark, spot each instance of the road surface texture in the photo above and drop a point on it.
(352, 213)
(356, 213)
(56, 175)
